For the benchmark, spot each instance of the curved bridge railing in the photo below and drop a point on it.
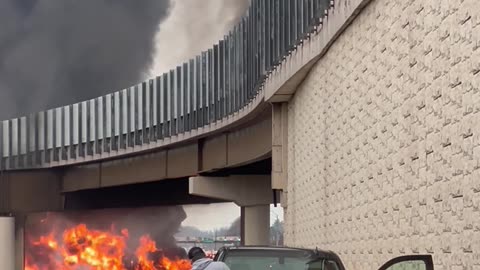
(207, 88)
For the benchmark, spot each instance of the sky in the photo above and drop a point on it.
(219, 215)
(211, 216)
(193, 26)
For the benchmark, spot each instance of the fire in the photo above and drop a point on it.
(83, 249)
(147, 247)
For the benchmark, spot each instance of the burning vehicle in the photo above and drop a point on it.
(126, 239)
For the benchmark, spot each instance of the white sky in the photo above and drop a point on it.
(211, 216)
(192, 27)
(219, 215)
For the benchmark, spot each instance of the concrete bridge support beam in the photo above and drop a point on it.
(253, 193)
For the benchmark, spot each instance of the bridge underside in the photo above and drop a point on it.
(158, 193)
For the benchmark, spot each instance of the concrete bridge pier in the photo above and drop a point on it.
(256, 224)
(7, 242)
(253, 193)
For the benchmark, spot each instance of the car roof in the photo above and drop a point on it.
(316, 253)
(319, 252)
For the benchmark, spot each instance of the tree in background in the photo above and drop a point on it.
(232, 230)
(235, 228)
(276, 233)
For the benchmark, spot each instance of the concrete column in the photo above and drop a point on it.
(280, 151)
(256, 225)
(7, 243)
(279, 146)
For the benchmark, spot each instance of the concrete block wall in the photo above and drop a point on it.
(384, 138)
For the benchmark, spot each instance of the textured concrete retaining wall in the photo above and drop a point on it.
(384, 138)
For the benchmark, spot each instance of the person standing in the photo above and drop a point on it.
(201, 262)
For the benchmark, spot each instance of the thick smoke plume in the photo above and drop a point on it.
(194, 26)
(56, 52)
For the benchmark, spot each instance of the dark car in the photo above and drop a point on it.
(282, 258)
(276, 258)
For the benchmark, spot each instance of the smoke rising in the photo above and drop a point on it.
(161, 223)
(194, 26)
(57, 52)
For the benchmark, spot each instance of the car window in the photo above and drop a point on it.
(323, 265)
(260, 263)
(278, 263)
(409, 265)
(268, 259)
(413, 262)
(330, 265)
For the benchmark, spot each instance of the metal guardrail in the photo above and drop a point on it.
(207, 88)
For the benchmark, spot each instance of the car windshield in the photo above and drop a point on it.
(268, 259)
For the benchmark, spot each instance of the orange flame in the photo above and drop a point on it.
(86, 249)
(147, 246)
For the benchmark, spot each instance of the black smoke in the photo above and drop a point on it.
(57, 52)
